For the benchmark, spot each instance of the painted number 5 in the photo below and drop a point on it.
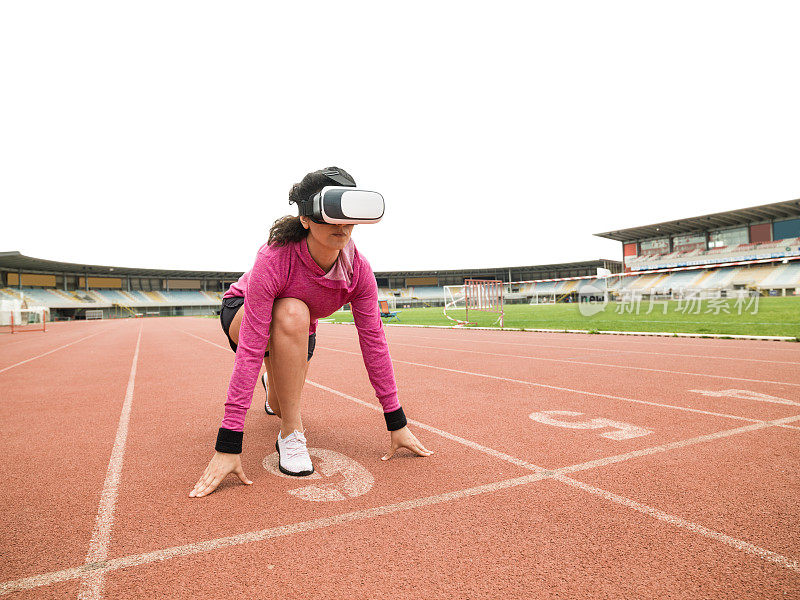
(345, 477)
(624, 431)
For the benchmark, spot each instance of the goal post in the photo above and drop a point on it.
(476, 295)
(19, 320)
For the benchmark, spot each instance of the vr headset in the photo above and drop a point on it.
(343, 203)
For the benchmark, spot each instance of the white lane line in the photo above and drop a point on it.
(733, 542)
(258, 536)
(560, 475)
(594, 364)
(584, 348)
(228, 348)
(559, 388)
(91, 587)
(50, 352)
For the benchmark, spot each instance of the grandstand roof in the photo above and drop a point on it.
(14, 261)
(600, 262)
(731, 218)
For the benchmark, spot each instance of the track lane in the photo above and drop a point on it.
(663, 388)
(734, 369)
(724, 347)
(593, 345)
(59, 414)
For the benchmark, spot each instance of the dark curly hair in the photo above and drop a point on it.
(289, 229)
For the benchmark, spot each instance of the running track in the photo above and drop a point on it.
(670, 469)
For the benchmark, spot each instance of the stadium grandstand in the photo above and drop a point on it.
(409, 289)
(754, 250)
(78, 291)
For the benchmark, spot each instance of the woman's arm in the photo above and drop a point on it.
(374, 349)
(264, 284)
(375, 352)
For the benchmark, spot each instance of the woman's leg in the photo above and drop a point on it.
(272, 395)
(288, 359)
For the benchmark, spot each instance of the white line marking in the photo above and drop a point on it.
(205, 340)
(92, 584)
(737, 544)
(625, 431)
(258, 536)
(746, 395)
(594, 364)
(559, 388)
(50, 352)
(354, 479)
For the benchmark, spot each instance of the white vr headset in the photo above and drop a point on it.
(338, 205)
(342, 204)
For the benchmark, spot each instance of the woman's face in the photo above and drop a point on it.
(333, 237)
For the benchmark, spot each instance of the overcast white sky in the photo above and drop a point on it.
(167, 134)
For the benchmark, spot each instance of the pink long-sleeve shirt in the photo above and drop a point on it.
(290, 272)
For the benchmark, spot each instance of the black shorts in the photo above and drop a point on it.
(228, 310)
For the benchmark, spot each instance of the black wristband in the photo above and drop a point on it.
(229, 441)
(395, 420)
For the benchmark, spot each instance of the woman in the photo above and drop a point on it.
(305, 271)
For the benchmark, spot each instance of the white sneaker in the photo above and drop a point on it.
(268, 410)
(293, 458)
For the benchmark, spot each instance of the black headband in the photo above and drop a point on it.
(339, 177)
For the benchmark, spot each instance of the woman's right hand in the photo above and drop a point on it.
(221, 465)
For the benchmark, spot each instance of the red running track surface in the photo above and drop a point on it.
(566, 466)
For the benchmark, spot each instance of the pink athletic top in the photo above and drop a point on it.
(290, 272)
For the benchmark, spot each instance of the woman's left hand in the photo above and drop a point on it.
(403, 438)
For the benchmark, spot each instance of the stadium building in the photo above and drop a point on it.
(756, 249)
(78, 291)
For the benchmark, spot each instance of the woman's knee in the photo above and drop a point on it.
(291, 315)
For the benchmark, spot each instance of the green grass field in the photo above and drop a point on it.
(771, 316)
